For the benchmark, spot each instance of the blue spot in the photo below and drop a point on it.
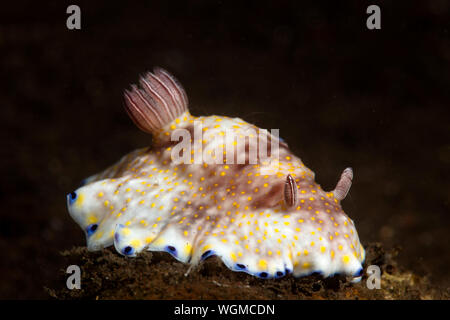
(117, 235)
(358, 273)
(172, 250)
(263, 275)
(240, 266)
(72, 197)
(279, 274)
(288, 271)
(91, 229)
(207, 254)
(128, 250)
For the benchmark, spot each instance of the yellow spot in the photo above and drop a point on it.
(322, 249)
(306, 265)
(80, 200)
(346, 259)
(262, 264)
(100, 194)
(186, 233)
(126, 231)
(99, 235)
(187, 249)
(148, 239)
(92, 219)
(135, 243)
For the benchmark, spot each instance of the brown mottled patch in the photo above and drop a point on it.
(156, 275)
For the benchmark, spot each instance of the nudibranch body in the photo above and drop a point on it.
(266, 218)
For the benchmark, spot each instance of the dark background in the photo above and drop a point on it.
(341, 95)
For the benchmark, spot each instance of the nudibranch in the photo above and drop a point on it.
(192, 196)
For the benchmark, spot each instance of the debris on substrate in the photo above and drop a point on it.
(156, 275)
